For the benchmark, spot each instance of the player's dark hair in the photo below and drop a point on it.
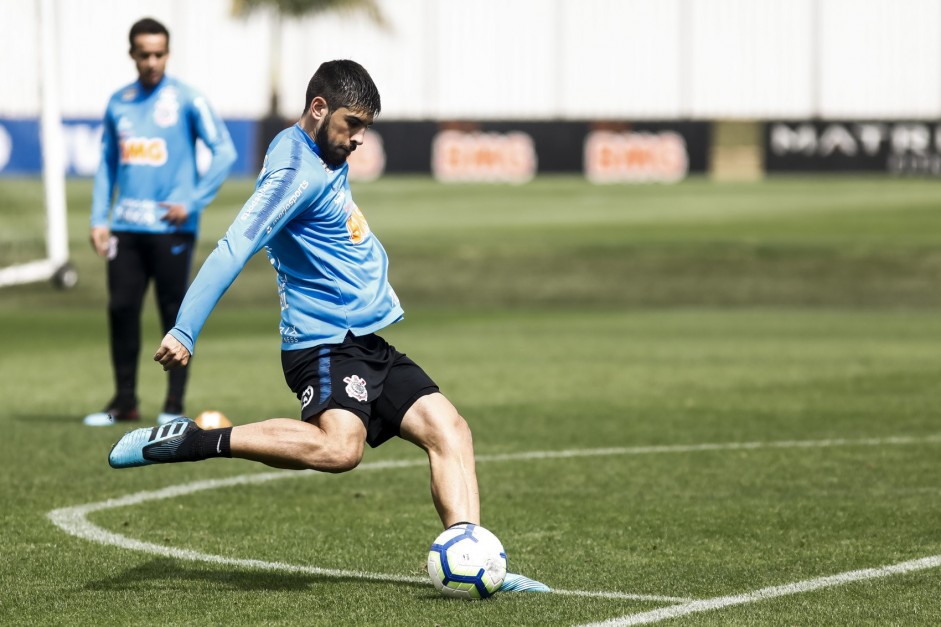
(147, 26)
(344, 83)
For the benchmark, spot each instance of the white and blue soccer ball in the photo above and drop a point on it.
(467, 562)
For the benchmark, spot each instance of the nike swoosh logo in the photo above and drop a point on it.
(176, 250)
(219, 445)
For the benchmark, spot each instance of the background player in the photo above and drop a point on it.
(149, 154)
(354, 388)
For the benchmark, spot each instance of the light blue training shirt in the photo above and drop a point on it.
(149, 153)
(332, 271)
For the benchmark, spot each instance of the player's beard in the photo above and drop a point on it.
(334, 155)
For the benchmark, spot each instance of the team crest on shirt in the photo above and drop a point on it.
(167, 108)
(355, 388)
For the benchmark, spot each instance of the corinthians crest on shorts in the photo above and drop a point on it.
(356, 388)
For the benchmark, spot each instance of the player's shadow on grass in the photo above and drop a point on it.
(167, 574)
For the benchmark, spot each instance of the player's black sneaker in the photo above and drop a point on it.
(153, 445)
(114, 412)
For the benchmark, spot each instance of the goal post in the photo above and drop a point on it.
(55, 265)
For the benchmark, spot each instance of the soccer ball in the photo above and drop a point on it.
(212, 420)
(467, 562)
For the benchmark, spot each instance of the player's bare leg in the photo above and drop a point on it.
(331, 442)
(434, 424)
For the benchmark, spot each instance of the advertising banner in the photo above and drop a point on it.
(515, 152)
(895, 147)
(453, 152)
(21, 152)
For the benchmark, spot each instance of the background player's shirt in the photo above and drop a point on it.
(149, 152)
(332, 271)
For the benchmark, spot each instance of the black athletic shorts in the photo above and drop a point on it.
(364, 375)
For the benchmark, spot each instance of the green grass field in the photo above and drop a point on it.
(701, 404)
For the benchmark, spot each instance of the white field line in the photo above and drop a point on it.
(74, 521)
(809, 585)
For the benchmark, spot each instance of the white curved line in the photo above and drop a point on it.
(809, 585)
(74, 521)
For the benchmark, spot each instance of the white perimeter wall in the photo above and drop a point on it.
(515, 59)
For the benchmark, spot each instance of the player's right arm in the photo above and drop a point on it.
(104, 186)
(278, 197)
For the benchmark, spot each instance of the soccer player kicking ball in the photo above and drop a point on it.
(352, 385)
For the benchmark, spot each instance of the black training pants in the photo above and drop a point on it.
(135, 259)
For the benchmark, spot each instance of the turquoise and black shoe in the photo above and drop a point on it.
(518, 583)
(153, 445)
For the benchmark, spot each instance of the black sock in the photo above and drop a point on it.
(173, 405)
(463, 522)
(205, 443)
(123, 401)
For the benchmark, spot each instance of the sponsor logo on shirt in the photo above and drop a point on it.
(144, 151)
(340, 199)
(134, 211)
(290, 203)
(297, 194)
(256, 198)
(356, 223)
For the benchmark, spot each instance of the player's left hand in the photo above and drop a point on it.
(172, 354)
(176, 213)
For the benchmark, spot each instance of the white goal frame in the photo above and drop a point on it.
(56, 264)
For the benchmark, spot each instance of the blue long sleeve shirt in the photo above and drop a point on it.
(332, 272)
(148, 151)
